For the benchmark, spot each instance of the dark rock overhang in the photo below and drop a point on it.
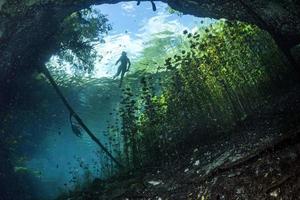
(26, 26)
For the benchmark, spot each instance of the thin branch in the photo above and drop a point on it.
(76, 116)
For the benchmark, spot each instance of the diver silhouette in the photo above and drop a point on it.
(124, 67)
(152, 3)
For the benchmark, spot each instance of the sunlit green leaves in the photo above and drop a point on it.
(207, 80)
(153, 56)
(215, 78)
(77, 37)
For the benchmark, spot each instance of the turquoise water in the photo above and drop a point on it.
(61, 161)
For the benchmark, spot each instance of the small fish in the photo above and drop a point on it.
(76, 130)
(37, 174)
(18, 169)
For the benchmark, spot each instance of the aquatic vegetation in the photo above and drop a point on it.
(215, 82)
(161, 45)
(187, 90)
(80, 33)
(183, 90)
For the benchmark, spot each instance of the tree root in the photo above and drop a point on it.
(278, 184)
(284, 141)
(289, 139)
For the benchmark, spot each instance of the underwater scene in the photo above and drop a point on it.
(153, 100)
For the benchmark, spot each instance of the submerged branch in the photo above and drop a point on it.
(76, 116)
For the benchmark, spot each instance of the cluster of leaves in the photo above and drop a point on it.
(223, 76)
(79, 34)
(128, 113)
(226, 71)
(172, 11)
(161, 45)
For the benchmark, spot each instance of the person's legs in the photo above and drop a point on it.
(153, 6)
(152, 3)
(118, 72)
(122, 76)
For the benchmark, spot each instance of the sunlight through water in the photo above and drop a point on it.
(133, 27)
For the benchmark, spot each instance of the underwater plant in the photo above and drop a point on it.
(217, 80)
